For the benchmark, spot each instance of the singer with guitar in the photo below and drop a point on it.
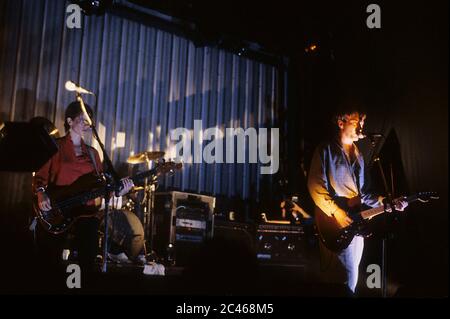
(73, 160)
(336, 183)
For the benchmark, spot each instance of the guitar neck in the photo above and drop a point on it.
(87, 196)
(140, 176)
(369, 213)
(81, 198)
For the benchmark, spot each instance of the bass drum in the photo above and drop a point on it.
(125, 233)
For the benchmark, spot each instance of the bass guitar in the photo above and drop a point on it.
(69, 202)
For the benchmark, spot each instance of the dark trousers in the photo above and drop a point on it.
(82, 237)
(85, 233)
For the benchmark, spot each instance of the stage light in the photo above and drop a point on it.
(311, 48)
(97, 7)
(49, 127)
(2, 125)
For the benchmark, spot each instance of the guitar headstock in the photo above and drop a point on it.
(167, 167)
(426, 196)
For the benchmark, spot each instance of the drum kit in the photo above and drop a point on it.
(140, 200)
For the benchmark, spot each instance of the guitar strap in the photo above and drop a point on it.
(355, 169)
(94, 162)
(356, 175)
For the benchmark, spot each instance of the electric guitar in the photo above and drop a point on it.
(69, 202)
(336, 238)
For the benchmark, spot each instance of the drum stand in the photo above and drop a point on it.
(148, 219)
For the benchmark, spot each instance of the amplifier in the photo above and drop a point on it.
(242, 233)
(281, 244)
(182, 221)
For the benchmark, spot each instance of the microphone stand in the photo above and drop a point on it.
(389, 196)
(112, 179)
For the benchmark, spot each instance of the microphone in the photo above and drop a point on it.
(71, 86)
(372, 135)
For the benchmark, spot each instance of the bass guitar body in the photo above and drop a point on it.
(68, 204)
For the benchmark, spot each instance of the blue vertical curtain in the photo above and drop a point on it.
(148, 82)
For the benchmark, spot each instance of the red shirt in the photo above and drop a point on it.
(65, 167)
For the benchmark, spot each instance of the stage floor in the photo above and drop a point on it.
(123, 279)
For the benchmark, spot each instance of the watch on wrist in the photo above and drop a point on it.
(40, 189)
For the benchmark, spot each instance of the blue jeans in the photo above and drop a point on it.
(344, 266)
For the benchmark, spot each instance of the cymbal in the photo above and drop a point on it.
(144, 157)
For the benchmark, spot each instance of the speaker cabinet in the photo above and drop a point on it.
(182, 222)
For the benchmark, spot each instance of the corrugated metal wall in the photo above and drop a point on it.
(148, 83)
